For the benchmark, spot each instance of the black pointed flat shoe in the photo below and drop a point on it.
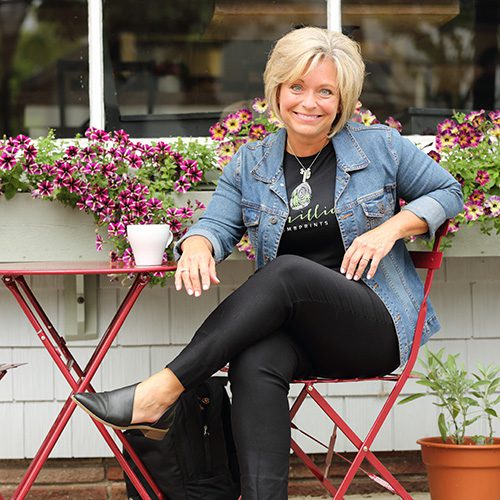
(114, 408)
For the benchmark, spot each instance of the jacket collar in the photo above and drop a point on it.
(349, 154)
(269, 166)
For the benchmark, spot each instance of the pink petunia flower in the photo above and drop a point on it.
(127, 257)
(477, 196)
(257, 132)
(482, 177)
(232, 123)
(225, 148)
(154, 204)
(476, 117)
(222, 161)
(45, 188)
(495, 116)
(445, 140)
(30, 152)
(185, 213)
(434, 155)
(22, 141)
(259, 105)
(493, 205)
(135, 161)
(393, 123)
(473, 211)
(7, 162)
(447, 125)
(453, 226)
(182, 185)
(245, 115)
(368, 118)
(162, 148)
(194, 174)
(71, 151)
(217, 132)
(175, 225)
(120, 136)
(98, 242)
(95, 134)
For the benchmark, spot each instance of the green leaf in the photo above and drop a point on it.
(407, 399)
(471, 421)
(491, 411)
(443, 429)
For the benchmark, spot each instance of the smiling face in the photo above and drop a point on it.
(309, 105)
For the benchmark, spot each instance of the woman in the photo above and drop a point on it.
(335, 293)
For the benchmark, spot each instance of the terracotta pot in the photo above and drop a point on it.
(462, 472)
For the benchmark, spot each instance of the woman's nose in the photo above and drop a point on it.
(309, 100)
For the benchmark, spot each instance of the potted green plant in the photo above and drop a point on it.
(460, 466)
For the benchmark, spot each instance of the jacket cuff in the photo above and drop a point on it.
(430, 210)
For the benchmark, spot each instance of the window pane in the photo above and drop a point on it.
(173, 67)
(44, 67)
(425, 58)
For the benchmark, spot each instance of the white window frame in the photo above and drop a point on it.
(96, 56)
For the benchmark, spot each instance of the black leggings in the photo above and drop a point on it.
(291, 319)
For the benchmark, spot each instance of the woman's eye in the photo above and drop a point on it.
(326, 92)
(296, 87)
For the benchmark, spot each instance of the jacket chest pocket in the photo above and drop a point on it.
(377, 208)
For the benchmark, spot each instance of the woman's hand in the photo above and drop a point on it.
(375, 244)
(371, 246)
(196, 267)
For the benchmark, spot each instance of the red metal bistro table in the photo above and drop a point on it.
(13, 275)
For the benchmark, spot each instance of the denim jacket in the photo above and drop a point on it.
(375, 167)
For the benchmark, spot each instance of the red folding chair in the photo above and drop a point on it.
(430, 260)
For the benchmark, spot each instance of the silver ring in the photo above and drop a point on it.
(367, 260)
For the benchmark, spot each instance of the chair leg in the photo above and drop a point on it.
(387, 480)
(329, 454)
(318, 473)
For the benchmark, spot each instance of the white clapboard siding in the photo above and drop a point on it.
(38, 419)
(6, 390)
(466, 296)
(12, 429)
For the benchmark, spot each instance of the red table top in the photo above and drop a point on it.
(77, 267)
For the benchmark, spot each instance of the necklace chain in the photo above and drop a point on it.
(305, 171)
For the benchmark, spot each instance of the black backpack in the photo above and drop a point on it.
(197, 458)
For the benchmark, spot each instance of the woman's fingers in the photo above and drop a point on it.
(366, 252)
(213, 272)
(195, 274)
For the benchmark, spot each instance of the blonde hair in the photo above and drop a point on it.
(300, 51)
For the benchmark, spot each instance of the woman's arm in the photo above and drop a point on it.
(371, 247)
(213, 237)
(432, 196)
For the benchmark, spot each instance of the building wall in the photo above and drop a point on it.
(466, 295)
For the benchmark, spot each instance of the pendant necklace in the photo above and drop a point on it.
(302, 194)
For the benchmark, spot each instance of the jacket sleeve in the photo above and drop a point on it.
(430, 191)
(222, 222)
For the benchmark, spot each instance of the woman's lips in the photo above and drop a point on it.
(308, 118)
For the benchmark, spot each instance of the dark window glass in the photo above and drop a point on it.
(426, 58)
(44, 67)
(172, 67)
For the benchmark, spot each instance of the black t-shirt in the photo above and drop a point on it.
(313, 231)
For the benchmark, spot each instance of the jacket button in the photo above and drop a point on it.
(273, 220)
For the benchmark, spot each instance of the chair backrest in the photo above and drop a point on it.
(430, 260)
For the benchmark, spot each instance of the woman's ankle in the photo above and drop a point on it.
(154, 395)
